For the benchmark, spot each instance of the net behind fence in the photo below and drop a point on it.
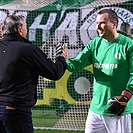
(64, 104)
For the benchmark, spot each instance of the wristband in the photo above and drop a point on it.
(127, 94)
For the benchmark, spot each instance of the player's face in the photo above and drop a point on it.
(104, 26)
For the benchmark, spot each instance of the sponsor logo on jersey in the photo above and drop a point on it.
(106, 66)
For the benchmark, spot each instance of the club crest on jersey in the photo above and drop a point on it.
(117, 55)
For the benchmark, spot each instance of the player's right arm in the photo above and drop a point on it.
(83, 59)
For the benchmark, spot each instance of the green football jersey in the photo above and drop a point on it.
(113, 70)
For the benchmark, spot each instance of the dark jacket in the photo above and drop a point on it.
(21, 63)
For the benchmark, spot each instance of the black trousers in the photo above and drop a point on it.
(15, 121)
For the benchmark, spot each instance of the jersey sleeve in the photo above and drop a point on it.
(83, 59)
(130, 57)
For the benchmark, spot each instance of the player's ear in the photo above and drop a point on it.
(115, 24)
(20, 31)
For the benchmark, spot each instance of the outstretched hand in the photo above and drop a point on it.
(61, 50)
(64, 52)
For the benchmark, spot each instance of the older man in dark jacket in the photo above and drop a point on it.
(21, 64)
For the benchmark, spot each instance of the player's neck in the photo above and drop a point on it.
(111, 37)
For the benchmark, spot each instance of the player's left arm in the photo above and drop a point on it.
(119, 102)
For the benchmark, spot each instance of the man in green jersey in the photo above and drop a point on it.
(111, 55)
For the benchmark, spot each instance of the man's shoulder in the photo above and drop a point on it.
(95, 40)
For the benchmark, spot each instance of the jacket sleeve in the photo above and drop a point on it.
(45, 67)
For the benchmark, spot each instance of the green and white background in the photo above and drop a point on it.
(64, 104)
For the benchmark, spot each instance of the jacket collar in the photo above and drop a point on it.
(14, 37)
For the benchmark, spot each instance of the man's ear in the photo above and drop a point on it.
(115, 24)
(20, 31)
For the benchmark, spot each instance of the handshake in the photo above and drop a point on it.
(118, 103)
(61, 50)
